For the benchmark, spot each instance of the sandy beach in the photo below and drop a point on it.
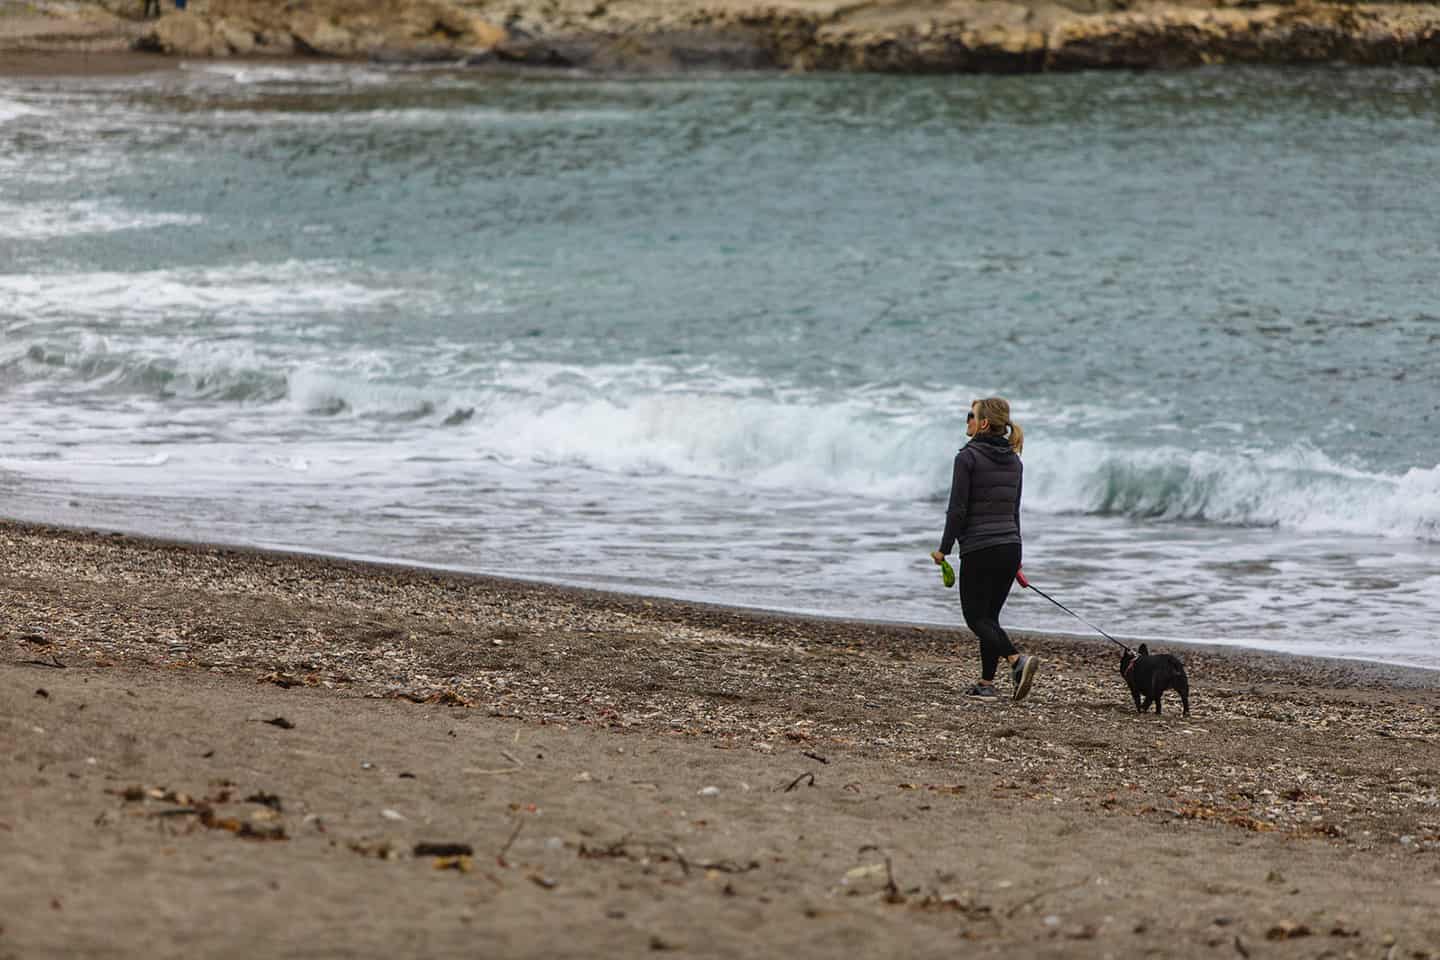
(221, 752)
(81, 64)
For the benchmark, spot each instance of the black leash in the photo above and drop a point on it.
(1029, 586)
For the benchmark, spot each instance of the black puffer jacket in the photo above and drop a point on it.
(984, 506)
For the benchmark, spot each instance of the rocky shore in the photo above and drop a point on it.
(891, 36)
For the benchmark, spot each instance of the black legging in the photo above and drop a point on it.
(985, 579)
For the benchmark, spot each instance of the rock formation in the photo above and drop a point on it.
(895, 36)
(350, 29)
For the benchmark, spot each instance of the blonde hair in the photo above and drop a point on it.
(997, 411)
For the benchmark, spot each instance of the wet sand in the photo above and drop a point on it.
(81, 64)
(638, 775)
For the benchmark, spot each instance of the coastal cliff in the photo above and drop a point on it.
(890, 36)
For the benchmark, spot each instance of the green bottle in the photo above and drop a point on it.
(947, 573)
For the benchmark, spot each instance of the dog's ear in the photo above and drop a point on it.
(1144, 650)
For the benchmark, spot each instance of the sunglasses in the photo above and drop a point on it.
(970, 416)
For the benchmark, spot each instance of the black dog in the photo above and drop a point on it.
(1150, 675)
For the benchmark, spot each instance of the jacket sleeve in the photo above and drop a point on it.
(959, 502)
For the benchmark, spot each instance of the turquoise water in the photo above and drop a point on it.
(715, 337)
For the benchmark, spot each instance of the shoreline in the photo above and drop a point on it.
(259, 742)
(1400, 675)
(109, 63)
(650, 37)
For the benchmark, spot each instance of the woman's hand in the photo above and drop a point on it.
(937, 556)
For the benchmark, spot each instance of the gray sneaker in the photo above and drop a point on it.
(1023, 673)
(983, 691)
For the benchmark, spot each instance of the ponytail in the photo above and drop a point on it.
(996, 410)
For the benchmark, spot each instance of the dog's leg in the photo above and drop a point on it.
(1136, 694)
(1183, 687)
(1157, 690)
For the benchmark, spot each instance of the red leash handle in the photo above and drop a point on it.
(1020, 579)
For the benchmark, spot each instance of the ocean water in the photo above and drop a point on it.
(715, 337)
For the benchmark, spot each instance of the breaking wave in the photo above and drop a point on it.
(881, 442)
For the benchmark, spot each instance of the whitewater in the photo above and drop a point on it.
(715, 338)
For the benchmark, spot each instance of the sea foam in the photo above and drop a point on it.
(48, 221)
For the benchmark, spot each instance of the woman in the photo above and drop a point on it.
(983, 520)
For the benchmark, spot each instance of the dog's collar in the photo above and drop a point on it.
(1131, 669)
